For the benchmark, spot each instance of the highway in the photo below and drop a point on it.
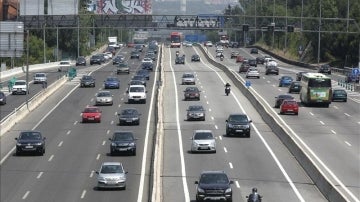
(75, 150)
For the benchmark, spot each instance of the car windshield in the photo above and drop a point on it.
(196, 108)
(111, 169)
(286, 78)
(214, 179)
(136, 89)
(285, 97)
(91, 110)
(191, 89)
(20, 83)
(290, 102)
(128, 112)
(104, 94)
(238, 118)
(87, 78)
(123, 136)
(339, 92)
(30, 136)
(64, 63)
(203, 136)
(39, 75)
(111, 79)
(188, 76)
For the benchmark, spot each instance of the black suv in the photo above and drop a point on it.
(80, 61)
(214, 185)
(123, 141)
(87, 81)
(95, 59)
(238, 124)
(271, 70)
(180, 60)
(325, 69)
(30, 141)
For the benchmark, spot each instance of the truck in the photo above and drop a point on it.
(113, 42)
(140, 37)
(176, 39)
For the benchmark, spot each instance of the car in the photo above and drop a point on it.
(30, 141)
(111, 175)
(267, 58)
(219, 54)
(135, 54)
(147, 60)
(254, 51)
(239, 58)
(96, 59)
(123, 142)
(151, 55)
(123, 67)
(19, 87)
(214, 185)
(2, 98)
(64, 66)
(325, 69)
(295, 86)
(104, 98)
(285, 81)
(40, 78)
(280, 98)
(271, 62)
(118, 59)
(339, 95)
(139, 47)
(351, 77)
(108, 55)
(129, 116)
(112, 49)
(180, 60)
(271, 70)
(238, 124)
(219, 49)
(91, 114)
(260, 60)
(188, 78)
(147, 66)
(87, 81)
(253, 72)
(195, 112)
(135, 82)
(234, 44)
(80, 61)
(252, 62)
(144, 73)
(111, 82)
(203, 141)
(130, 45)
(208, 44)
(234, 54)
(187, 44)
(195, 58)
(192, 93)
(136, 93)
(299, 75)
(289, 106)
(153, 47)
(140, 78)
(244, 67)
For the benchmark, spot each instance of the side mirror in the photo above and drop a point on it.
(196, 182)
(110, 139)
(127, 91)
(16, 138)
(44, 138)
(97, 172)
(226, 121)
(231, 182)
(146, 91)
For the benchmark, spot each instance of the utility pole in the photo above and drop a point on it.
(319, 36)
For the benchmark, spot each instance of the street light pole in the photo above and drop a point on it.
(319, 36)
(273, 23)
(286, 24)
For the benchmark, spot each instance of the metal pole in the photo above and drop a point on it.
(57, 43)
(44, 44)
(302, 13)
(255, 22)
(27, 68)
(273, 34)
(319, 36)
(286, 24)
(78, 37)
(347, 20)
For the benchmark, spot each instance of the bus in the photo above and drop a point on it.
(175, 39)
(315, 89)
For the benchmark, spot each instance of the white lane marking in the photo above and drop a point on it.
(225, 150)
(26, 195)
(333, 131)
(39, 175)
(348, 143)
(220, 137)
(104, 142)
(205, 97)
(83, 194)
(216, 127)
(311, 113)
(92, 99)
(231, 165)
(68, 132)
(322, 122)
(212, 118)
(98, 157)
(91, 174)
(60, 144)
(107, 132)
(346, 114)
(209, 110)
(359, 122)
(279, 89)
(237, 184)
(119, 106)
(267, 80)
(112, 123)
(115, 113)
(207, 102)
(75, 122)
(336, 107)
(51, 157)
(121, 99)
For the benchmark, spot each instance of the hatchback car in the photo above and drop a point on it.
(135, 82)
(285, 81)
(238, 124)
(271, 69)
(180, 60)
(147, 66)
(91, 114)
(123, 67)
(289, 106)
(129, 116)
(252, 62)
(339, 95)
(214, 186)
(87, 81)
(141, 78)
(244, 67)
(203, 140)
(80, 61)
(123, 142)
(134, 54)
(195, 58)
(295, 87)
(234, 54)
(192, 93)
(280, 98)
(195, 112)
(144, 73)
(118, 59)
(2, 98)
(112, 82)
(104, 98)
(240, 58)
(325, 69)
(111, 175)
(253, 72)
(260, 60)
(188, 78)
(30, 141)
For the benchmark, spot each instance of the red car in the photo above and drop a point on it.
(130, 45)
(240, 58)
(91, 114)
(289, 106)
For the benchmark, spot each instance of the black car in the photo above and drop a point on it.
(252, 62)
(141, 78)
(195, 112)
(180, 60)
(271, 70)
(147, 66)
(339, 95)
(144, 72)
(123, 141)
(295, 87)
(30, 141)
(254, 51)
(95, 59)
(151, 55)
(192, 93)
(139, 47)
(2, 98)
(87, 81)
(238, 124)
(118, 59)
(135, 54)
(195, 58)
(80, 61)
(129, 116)
(234, 44)
(214, 185)
(153, 47)
(299, 75)
(260, 60)
(325, 69)
(279, 99)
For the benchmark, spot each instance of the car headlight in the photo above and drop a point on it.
(38, 143)
(230, 125)
(123, 178)
(228, 190)
(132, 144)
(113, 144)
(18, 144)
(101, 179)
(246, 126)
(199, 190)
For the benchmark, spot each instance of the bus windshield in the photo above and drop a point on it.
(319, 82)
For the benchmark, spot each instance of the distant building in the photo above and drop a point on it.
(8, 9)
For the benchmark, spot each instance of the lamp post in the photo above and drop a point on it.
(273, 23)
(319, 36)
(286, 24)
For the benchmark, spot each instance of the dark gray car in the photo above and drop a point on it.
(130, 116)
(238, 124)
(123, 141)
(87, 81)
(30, 141)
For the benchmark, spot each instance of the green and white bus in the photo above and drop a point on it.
(315, 89)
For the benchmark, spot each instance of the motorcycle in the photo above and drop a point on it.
(254, 198)
(221, 58)
(227, 90)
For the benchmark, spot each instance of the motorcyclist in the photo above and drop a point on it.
(221, 56)
(254, 196)
(227, 88)
(227, 85)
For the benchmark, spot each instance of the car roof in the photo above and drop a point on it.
(111, 163)
(213, 172)
(202, 131)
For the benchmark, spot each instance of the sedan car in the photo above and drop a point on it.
(195, 112)
(135, 82)
(123, 67)
(299, 75)
(180, 60)
(325, 69)
(195, 58)
(192, 93)
(244, 67)
(2, 98)
(118, 59)
(295, 87)
(188, 78)
(104, 98)
(30, 141)
(112, 82)
(240, 58)
(254, 51)
(147, 66)
(111, 175)
(123, 141)
(260, 60)
(87, 81)
(271, 70)
(280, 98)
(135, 54)
(234, 54)
(91, 114)
(289, 106)
(285, 81)
(238, 124)
(339, 95)
(252, 62)
(253, 72)
(144, 72)
(129, 116)
(203, 141)
(80, 61)
(141, 78)
(95, 59)
(40, 78)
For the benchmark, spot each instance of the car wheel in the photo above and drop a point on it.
(138, 123)
(345, 100)
(296, 113)
(17, 153)
(99, 121)
(248, 135)
(83, 120)
(134, 153)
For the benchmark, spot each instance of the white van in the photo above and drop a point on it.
(136, 93)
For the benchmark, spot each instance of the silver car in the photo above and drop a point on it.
(104, 98)
(39, 78)
(253, 72)
(111, 175)
(195, 112)
(188, 78)
(203, 141)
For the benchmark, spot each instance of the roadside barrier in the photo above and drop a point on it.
(347, 86)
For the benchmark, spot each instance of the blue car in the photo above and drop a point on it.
(112, 82)
(285, 81)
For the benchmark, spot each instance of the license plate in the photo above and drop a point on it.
(91, 118)
(28, 147)
(290, 110)
(111, 182)
(239, 130)
(128, 120)
(204, 147)
(123, 149)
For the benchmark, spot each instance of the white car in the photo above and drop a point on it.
(39, 78)
(209, 44)
(19, 87)
(219, 49)
(145, 60)
(271, 62)
(64, 66)
(253, 72)
(109, 55)
(111, 175)
(104, 98)
(203, 141)
(136, 93)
